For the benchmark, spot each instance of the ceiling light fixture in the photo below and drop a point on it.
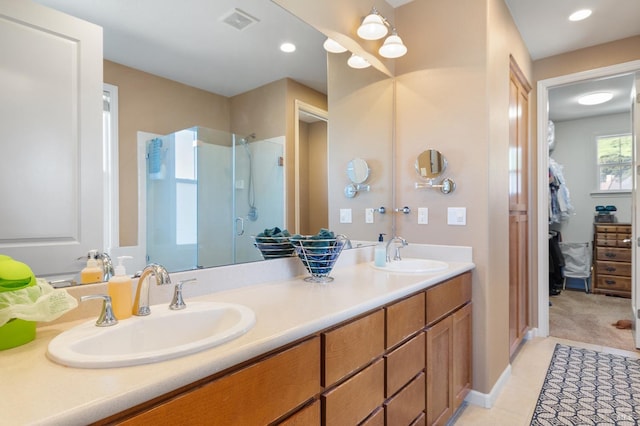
(373, 26)
(288, 47)
(357, 61)
(595, 98)
(330, 45)
(580, 15)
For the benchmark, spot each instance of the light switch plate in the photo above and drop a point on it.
(368, 215)
(345, 215)
(423, 215)
(457, 216)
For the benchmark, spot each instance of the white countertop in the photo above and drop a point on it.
(35, 390)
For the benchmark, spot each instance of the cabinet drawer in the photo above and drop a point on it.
(308, 416)
(404, 363)
(405, 318)
(352, 401)
(257, 394)
(408, 404)
(610, 282)
(613, 254)
(607, 229)
(420, 421)
(613, 268)
(375, 419)
(448, 296)
(351, 346)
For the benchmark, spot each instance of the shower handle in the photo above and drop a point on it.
(239, 229)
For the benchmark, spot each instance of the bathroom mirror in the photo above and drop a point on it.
(358, 170)
(127, 167)
(430, 164)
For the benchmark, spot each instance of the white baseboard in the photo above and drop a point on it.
(487, 400)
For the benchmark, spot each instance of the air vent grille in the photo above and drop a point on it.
(239, 19)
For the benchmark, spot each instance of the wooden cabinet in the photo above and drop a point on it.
(406, 363)
(612, 259)
(449, 346)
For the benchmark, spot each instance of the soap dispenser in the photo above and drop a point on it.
(380, 252)
(92, 273)
(119, 288)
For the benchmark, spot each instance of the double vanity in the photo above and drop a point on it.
(373, 346)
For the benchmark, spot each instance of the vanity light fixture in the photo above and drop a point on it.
(595, 98)
(580, 15)
(393, 46)
(373, 26)
(332, 46)
(358, 62)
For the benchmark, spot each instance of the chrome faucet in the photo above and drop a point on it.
(403, 243)
(141, 301)
(107, 266)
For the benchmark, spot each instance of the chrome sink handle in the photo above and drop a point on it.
(141, 300)
(106, 318)
(177, 302)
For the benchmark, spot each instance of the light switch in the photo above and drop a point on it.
(368, 215)
(345, 215)
(457, 216)
(423, 215)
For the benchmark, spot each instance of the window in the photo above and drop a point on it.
(615, 163)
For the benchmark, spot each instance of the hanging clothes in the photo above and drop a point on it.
(560, 207)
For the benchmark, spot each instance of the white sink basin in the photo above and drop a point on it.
(413, 266)
(162, 335)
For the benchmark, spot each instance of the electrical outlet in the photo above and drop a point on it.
(423, 215)
(457, 216)
(345, 215)
(368, 215)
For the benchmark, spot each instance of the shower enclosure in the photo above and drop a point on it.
(208, 193)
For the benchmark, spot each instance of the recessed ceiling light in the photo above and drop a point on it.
(288, 47)
(595, 98)
(580, 15)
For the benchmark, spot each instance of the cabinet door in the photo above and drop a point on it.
(440, 372)
(50, 137)
(462, 355)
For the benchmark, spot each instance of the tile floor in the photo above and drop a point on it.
(515, 404)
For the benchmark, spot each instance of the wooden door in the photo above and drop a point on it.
(519, 90)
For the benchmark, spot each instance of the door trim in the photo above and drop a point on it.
(542, 203)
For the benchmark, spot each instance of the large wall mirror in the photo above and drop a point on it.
(260, 112)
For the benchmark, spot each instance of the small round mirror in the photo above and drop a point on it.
(430, 164)
(358, 170)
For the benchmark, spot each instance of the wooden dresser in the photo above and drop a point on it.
(612, 259)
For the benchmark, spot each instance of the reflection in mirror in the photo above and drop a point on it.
(430, 164)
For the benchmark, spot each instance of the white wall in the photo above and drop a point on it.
(575, 150)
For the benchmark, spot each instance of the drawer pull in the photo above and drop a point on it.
(610, 282)
(610, 255)
(610, 269)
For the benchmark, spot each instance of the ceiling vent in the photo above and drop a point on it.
(239, 20)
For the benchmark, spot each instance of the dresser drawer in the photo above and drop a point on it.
(608, 229)
(408, 404)
(352, 401)
(613, 254)
(404, 363)
(405, 318)
(351, 346)
(613, 268)
(610, 282)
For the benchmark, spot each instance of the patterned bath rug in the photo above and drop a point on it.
(585, 387)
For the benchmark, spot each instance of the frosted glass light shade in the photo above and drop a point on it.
(393, 47)
(330, 45)
(356, 61)
(372, 27)
(595, 98)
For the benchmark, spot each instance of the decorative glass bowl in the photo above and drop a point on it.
(274, 247)
(319, 255)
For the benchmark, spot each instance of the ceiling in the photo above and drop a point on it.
(188, 41)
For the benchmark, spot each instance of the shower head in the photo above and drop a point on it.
(247, 138)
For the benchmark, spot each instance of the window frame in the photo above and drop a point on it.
(606, 192)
